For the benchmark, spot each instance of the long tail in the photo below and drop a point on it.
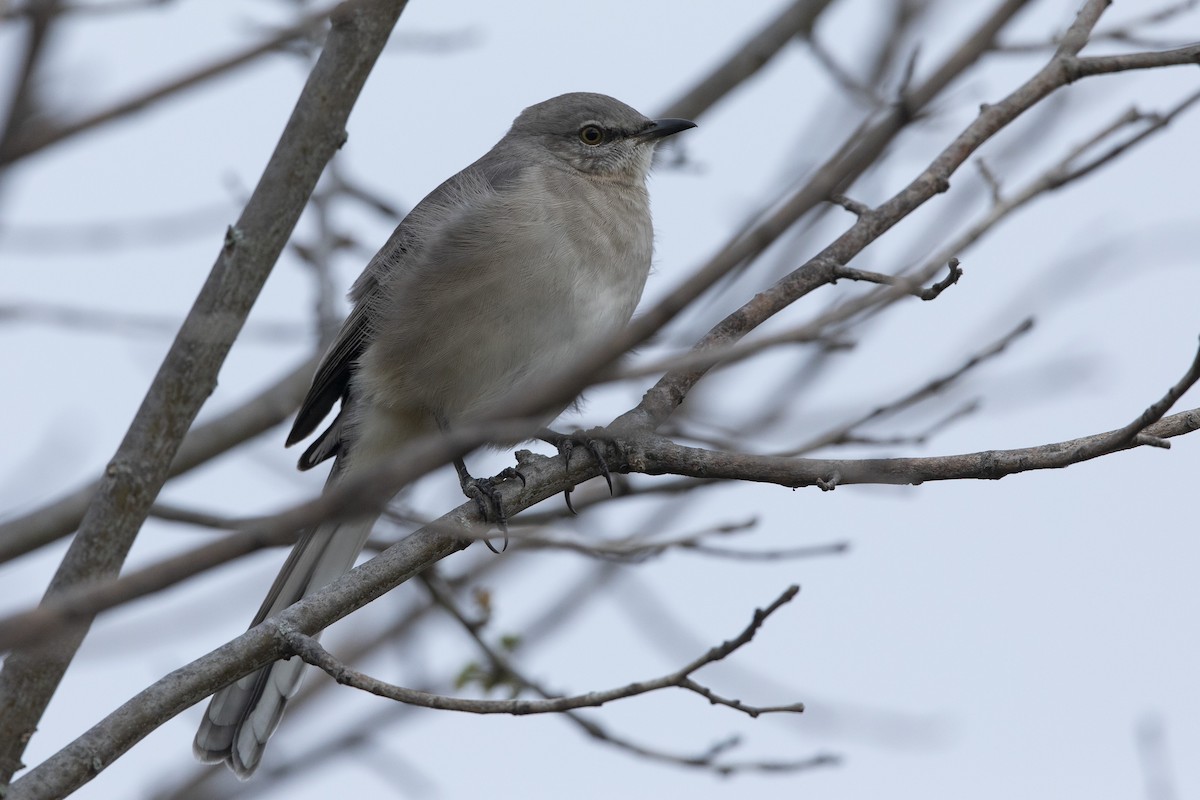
(242, 716)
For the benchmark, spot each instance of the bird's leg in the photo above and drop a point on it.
(589, 441)
(475, 488)
(483, 491)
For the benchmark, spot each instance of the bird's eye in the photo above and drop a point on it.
(591, 135)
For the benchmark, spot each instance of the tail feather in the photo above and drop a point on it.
(243, 715)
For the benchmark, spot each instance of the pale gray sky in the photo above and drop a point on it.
(982, 639)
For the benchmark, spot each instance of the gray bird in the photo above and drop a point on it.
(506, 273)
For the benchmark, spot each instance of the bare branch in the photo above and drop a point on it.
(781, 554)
(1126, 437)
(795, 20)
(655, 455)
(930, 389)
(99, 747)
(258, 646)
(993, 183)
(816, 330)
(72, 606)
(129, 323)
(1077, 35)
(1154, 759)
(188, 373)
(201, 519)
(584, 501)
(23, 100)
(164, 229)
(1068, 171)
(311, 651)
(1057, 176)
(504, 667)
(260, 413)
(639, 548)
(99, 9)
(18, 148)
(908, 285)
(1060, 174)
(847, 164)
(661, 400)
(642, 452)
(632, 549)
(848, 82)
(922, 437)
(1104, 65)
(1126, 33)
(853, 206)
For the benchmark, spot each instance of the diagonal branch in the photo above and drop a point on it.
(1127, 436)
(931, 388)
(794, 21)
(189, 372)
(854, 157)
(96, 749)
(643, 452)
(1063, 68)
(75, 764)
(22, 105)
(20, 147)
(203, 443)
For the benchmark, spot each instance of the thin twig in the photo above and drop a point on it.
(21, 147)
(708, 760)
(1124, 34)
(900, 281)
(796, 20)
(929, 389)
(1127, 436)
(203, 443)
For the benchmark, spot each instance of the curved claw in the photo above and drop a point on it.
(594, 448)
(483, 492)
(491, 508)
(508, 473)
(566, 446)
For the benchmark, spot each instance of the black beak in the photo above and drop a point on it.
(665, 127)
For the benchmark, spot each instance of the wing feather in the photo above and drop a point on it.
(331, 383)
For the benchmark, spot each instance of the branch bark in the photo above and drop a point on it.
(203, 443)
(16, 148)
(797, 20)
(1062, 69)
(84, 758)
(311, 651)
(78, 762)
(188, 374)
(636, 451)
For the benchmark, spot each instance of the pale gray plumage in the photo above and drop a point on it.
(504, 274)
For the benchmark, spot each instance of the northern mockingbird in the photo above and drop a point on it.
(506, 273)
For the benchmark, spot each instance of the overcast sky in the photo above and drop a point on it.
(981, 639)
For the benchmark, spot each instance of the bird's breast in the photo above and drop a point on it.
(553, 270)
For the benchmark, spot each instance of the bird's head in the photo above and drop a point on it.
(595, 134)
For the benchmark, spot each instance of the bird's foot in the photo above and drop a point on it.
(487, 497)
(591, 441)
